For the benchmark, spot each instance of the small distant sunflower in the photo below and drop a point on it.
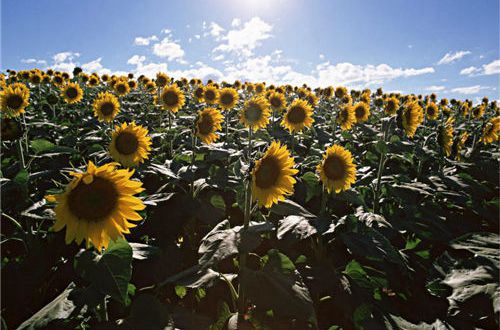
(228, 98)
(259, 88)
(445, 136)
(459, 144)
(432, 111)
(93, 80)
(161, 79)
(411, 117)
(361, 112)
(249, 87)
(346, 117)
(298, 116)
(198, 93)
(277, 101)
(208, 123)
(255, 113)
(106, 107)
(58, 80)
(132, 84)
(490, 131)
(130, 144)
(478, 111)
(328, 92)
(14, 99)
(392, 105)
(211, 94)
(272, 176)
(150, 87)
(172, 98)
(98, 205)
(36, 77)
(72, 93)
(340, 92)
(337, 170)
(311, 99)
(121, 87)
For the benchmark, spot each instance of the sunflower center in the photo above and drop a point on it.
(121, 88)
(296, 115)
(161, 81)
(199, 92)
(360, 112)
(107, 108)
(15, 101)
(430, 111)
(334, 168)
(205, 125)
(275, 102)
(126, 143)
(209, 95)
(268, 173)
(226, 99)
(93, 202)
(170, 98)
(253, 113)
(71, 93)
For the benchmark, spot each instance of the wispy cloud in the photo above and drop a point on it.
(451, 57)
(486, 69)
(434, 88)
(470, 89)
(144, 41)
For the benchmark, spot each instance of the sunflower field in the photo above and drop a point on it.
(155, 203)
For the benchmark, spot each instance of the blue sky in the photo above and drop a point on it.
(450, 47)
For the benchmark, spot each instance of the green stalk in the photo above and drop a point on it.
(381, 165)
(21, 153)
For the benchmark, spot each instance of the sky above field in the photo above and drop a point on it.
(450, 47)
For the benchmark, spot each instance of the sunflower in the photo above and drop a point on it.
(130, 144)
(210, 94)
(277, 101)
(249, 87)
(106, 107)
(432, 111)
(340, 92)
(132, 84)
(311, 99)
(272, 176)
(14, 99)
(346, 117)
(228, 98)
(490, 131)
(392, 105)
(445, 136)
(150, 87)
(255, 113)
(209, 121)
(459, 144)
(72, 93)
(337, 170)
(36, 77)
(172, 98)
(121, 87)
(161, 79)
(298, 116)
(10, 129)
(93, 80)
(328, 92)
(412, 116)
(361, 112)
(478, 111)
(198, 93)
(98, 205)
(58, 80)
(259, 88)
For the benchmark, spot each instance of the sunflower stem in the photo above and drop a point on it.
(21, 153)
(243, 256)
(193, 153)
(324, 198)
(226, 128)
(171, 138)
(381, 166)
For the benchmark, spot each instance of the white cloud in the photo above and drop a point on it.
(169, 49)
(321, 56)
(197, 36)
(410, 46)
(452, 57)
(93, 66)
(469, 90)
(65, 56)
(166, 31)
(33, 61)
(136, 59)
(434, 88)
(486, 69)
(236, 22)
(242, 41)
(215, 30)
(218, 57)
(144, 41)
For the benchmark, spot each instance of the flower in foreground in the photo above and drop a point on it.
(337, 170)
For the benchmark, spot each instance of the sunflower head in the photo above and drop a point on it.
(340, 92)
(458, 145)
(346, 117)
(198, 93)
(411, 117)
(445, 136)
(208, 123)
(36, 77)
(98, 205)
(14, 99)
(337, 170)
(260, 88)
(277, 101)
(161, 79)
(361, 112)
(132, 84)
(150, 86)
(228, 98)
(121, 87)
(255, 113)
(392, 105)
(106, 107)
(490, 131)
(10, 129)
(328, 92)
(478, 111)
(312, 99)
(172, 98)
(298, 116)
(432, 111)
(211, 94)
(93, 80)
(130, 144)
(272, 176)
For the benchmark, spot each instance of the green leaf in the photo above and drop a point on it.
(41, 145)
(312, 185)
(180, 291)
(223, 315)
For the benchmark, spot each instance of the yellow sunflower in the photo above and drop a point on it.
(208, 123)
(432, 111)
(340, 92)
(311, 99)
(228, 98)
(106, 107)
(298, 116)
(255, 113)
(277, 101)
(121, 87)
(211, 94)
(161, 79)
(130, 144)
(361, 112)
(272, 176)
(337, 170)
(198, 93)
(490, 131)
(259, 88)
(445, 136)
(172, 98)
(14, 99)
(98, 205)
(150, 87)
(36, 77)
(478, 111)
(58, 80)
(93, 80)
(72, 93)
(392, 106)
(412, 117)
(459, 144)
(346, 117)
